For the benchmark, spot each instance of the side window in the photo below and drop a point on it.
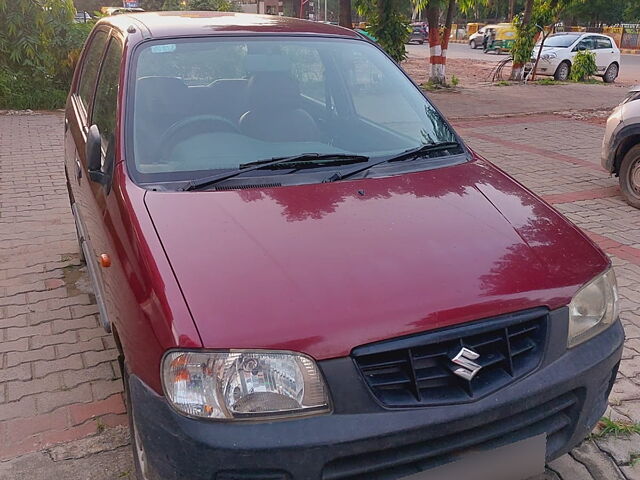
(307, 68)
(603, 42)
(90, 68)
(105, 105)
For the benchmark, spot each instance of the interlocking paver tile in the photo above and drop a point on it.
(46, 325)
(59, 369)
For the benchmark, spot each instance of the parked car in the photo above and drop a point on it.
(82, 17)
(621, 146)
(560, 49)
(308, 274)
(120, 10)
(476, 40)
(418, 33)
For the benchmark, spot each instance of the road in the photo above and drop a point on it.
(629, 70)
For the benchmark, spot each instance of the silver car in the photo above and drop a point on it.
(621, 146)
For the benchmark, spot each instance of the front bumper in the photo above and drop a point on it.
(610, 141)
(565, 398)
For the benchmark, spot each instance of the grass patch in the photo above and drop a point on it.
(502, 83)
(547, 81)
(100, 425)
(611, 427)
(434, 87)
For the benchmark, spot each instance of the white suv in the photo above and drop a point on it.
(621, 146)
(560, 49)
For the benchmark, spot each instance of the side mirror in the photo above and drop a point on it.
(93, 153)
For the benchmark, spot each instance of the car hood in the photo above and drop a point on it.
(324, 268)
(546, 49)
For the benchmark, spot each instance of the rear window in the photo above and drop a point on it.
(201, 105)
(602, 42)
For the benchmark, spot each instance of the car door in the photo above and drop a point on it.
(78, 112)
(76, 123)
(590, 43)
(104, 116)
(605, 53)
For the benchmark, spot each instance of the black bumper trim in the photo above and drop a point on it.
(309, 448)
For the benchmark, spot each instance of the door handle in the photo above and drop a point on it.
(78, 170)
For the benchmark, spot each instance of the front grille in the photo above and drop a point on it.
(557, 418)
(418, 371)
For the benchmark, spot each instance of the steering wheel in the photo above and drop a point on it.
(191, 126)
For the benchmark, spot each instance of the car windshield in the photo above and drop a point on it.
(562, 41)
(210, 104)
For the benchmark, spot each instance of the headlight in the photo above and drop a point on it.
(548, 56)
(593, 308)
(244, 384)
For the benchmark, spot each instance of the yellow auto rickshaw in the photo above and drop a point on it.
(500, 38)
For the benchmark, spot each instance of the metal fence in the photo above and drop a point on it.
(630, 38)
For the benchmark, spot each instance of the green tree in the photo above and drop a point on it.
(389, 23)
(39, 44)
(538, 15)
(213, 5)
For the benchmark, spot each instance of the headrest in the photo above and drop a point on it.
(160, 94)
(274, 90)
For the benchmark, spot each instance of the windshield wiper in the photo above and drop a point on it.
(257, 165)
(409, 154)
(308, 157)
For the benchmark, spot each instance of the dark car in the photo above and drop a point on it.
(308, 274)
(418, 33)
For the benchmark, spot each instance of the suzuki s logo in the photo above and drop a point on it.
(467, 367)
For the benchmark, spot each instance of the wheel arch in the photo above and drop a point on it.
(626, 144)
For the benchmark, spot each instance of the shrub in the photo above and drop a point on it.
(39, 45)
(20, 92)
(454, 81)
(584, 66)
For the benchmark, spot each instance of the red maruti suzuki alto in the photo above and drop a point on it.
(308, 274)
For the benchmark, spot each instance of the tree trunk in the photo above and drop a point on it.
(414, 13)
(512, 10)
(345, 14)
(517, 71)
(535, 65)
(435, 49)
(445, 38)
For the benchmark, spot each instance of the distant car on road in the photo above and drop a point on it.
(418, 33)
(82, 17)
(621, 146)
(120, 10)
(476, 40)
(560, 49)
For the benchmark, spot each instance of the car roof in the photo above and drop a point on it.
(580, 34)
(177, 24)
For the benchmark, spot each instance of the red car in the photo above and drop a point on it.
(308, 274)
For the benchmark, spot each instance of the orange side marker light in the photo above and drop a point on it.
(105, 260)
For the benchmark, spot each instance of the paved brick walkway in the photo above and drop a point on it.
(59, 380)
(57, 365)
